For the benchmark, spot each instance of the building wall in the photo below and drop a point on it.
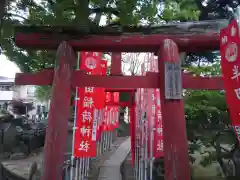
(6, 95)
(9, 92)
(25, 93)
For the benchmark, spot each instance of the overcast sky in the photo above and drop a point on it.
(7, 68)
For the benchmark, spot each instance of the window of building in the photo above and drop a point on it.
(6, 88)
(30, 90)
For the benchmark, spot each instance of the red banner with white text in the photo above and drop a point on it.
(87, 113)
(103, 94)
(158, 133)
(230, 63)
(158, 126)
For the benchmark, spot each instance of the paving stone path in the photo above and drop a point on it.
(98, 163)
(20, 169)
(111, 169)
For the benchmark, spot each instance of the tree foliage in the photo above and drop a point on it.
(88, 13)
(43, 93)
(83, 13)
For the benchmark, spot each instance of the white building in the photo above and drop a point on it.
(6, 90)
(9, 92)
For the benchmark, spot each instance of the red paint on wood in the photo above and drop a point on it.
(204, 83)
(116, 63)
(124, 43)
(122, 104)
(42, 78)
(119, 83)
(56, 136)
(133, 124)
(176, 158)
(120, 90)
(114, 81)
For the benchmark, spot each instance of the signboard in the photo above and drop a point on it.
(173, 80)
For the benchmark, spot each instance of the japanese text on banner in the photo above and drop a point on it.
(87, 117)
(230, 63)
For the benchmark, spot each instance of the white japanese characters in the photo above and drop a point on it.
(89, 89)
(85, 131)
(153, 97)
(159, 115)
(84, 146)
(236, 72)
(160, 131)
(237, 91)
(153, 108)
(88, 102)
(224, 40)
(231, 52)
(236, 75)
(233, 31)
(95, 53)
(86, 116)
(160, 145)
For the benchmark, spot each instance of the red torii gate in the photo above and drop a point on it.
(63, 79)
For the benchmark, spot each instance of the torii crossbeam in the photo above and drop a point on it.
(45, 77)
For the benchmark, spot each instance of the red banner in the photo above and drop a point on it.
(116, 117)
(108, 97)
(105, 122)
(158, 126)
(115, 111)
(87, 113)
(101, 111)
(230, 63)
(158, 133)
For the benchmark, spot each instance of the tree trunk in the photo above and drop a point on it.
(3, 4)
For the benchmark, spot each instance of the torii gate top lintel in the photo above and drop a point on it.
(190, 37)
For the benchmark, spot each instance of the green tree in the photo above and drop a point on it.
(43, 93)
(206, 114)
(86, 14)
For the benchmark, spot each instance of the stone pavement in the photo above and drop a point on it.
(111, 169)
(20, 168)
(98, 162)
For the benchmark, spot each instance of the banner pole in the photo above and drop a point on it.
(151, 153)
(78, 169)
(142, 147)
(85, 168)
(137, 144)
(75, 120)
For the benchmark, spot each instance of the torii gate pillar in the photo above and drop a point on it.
(59, 113)
(176, 158)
